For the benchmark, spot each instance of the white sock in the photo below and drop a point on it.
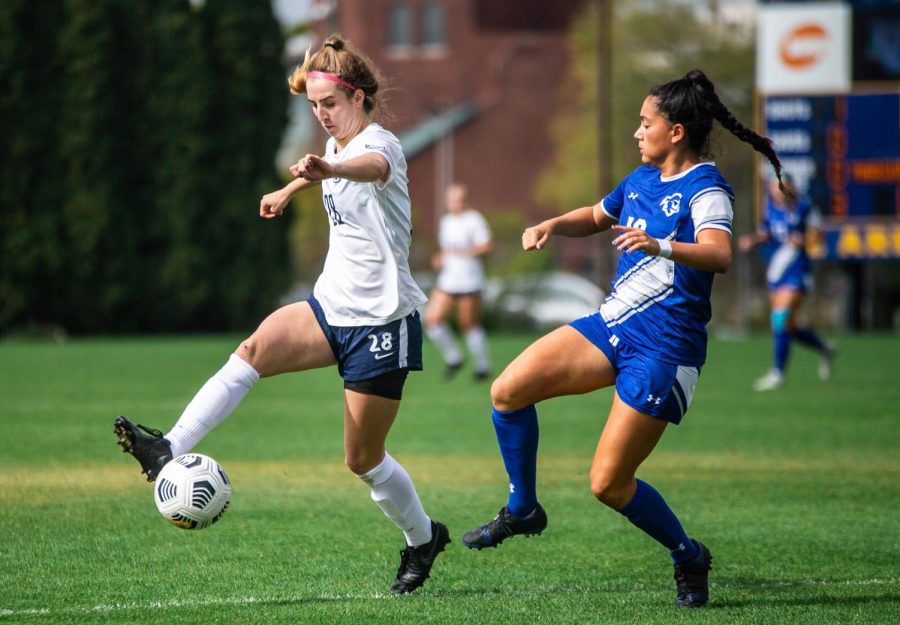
(212, 404)
(476, 339)
(443, 338)
(393, 491)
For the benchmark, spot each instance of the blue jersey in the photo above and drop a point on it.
(789, 265)
(659, 307)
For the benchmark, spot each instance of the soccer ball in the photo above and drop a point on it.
(192, 491)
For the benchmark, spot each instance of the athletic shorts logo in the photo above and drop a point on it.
(383, 356)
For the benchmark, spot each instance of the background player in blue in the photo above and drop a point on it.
(672, 217)
(362, 314)
(789, 227)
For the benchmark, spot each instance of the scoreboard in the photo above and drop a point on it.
(844, 152)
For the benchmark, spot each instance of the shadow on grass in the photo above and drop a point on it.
(759, 599)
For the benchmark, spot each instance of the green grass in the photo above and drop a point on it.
(796, 492)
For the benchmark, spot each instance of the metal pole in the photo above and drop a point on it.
(605, 260)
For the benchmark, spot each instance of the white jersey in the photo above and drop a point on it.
(462, 273)
(366, 280)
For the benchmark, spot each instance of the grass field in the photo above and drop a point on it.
(797, 493)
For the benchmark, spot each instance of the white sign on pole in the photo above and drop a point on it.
(803, 48)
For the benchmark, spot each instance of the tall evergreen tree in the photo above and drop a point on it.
(31, 257)
(245, 44)
(137, 137)
(179, 132)
(100, 233)
(653, 41)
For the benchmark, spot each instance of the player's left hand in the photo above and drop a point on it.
(313, 168)
(633, 239)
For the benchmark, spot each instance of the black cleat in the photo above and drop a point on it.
(504, 526)
(416, 562)
(691, 579)
(481, 376)
(150, 449)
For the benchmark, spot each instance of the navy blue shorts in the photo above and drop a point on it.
(659, 389)
(364, 352)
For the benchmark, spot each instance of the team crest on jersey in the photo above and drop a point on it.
(670, 204)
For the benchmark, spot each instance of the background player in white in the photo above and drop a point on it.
(672, 216)
(791, 227)
(464, 237)
(362, 315)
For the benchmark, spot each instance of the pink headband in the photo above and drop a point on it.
(333, 78)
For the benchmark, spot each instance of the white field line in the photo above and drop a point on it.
(243, 601)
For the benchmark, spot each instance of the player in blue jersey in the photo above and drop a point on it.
(790, 228)
(672, 221)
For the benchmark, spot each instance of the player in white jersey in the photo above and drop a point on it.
(464, 237)
(362, 315)
(672, 218)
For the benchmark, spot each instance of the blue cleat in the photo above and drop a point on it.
(691, 579)
(504, 526)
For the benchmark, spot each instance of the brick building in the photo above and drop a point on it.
(473, 87)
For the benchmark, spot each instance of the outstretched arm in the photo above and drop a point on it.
(748, 241)
(273, 204)
(369, 167)
(580, 222)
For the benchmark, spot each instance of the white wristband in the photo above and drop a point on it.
(665, 248)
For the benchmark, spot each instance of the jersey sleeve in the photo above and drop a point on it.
(612, 204)
(387, 145)
(711, 208)
(481, 231)
(765, 225)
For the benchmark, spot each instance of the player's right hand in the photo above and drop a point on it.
(272, 204)
(536, 237)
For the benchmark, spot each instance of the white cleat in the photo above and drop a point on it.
(773, 379)
(826, 362)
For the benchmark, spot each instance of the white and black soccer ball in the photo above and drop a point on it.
(192, 491)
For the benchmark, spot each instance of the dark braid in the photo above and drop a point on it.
(693, 102)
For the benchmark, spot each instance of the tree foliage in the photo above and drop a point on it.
(653, 41)
(137, 137)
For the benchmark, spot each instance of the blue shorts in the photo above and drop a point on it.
(364, 352)
(801, 282)
(659, 389)
(789, 268)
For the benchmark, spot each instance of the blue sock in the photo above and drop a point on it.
(809, 338)
(650, 512)
(517, 434)
(782, 349)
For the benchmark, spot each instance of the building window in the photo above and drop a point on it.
(433, 24)
(400, 26)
